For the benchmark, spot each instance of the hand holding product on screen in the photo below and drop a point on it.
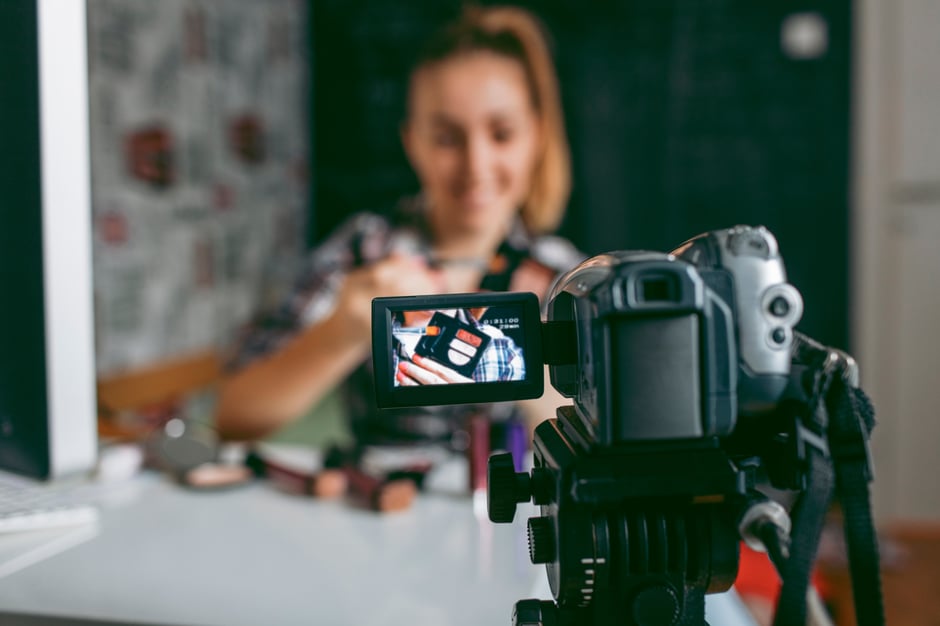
(424, 371)
(434, 347)
(453, 343)
(424, 342)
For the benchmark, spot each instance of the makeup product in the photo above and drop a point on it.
(478, 263)
(479, 451)
(215, 476)
(516, 442)
(453, 344)
(378, 493)
(325, 483)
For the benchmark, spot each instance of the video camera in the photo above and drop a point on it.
(693, 398)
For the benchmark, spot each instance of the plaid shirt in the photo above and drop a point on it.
(366, 238)
(502, 359)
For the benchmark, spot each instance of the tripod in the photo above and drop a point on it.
(634, 534)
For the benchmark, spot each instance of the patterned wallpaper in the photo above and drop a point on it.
(199, 138)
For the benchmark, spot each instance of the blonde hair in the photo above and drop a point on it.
(517, 34)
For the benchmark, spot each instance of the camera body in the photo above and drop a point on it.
(656, 350)
(662, 356)
(743, 267)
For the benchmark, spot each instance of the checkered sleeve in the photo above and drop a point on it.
(313, 295)
(501, 361)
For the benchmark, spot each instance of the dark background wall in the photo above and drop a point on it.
(683, 116)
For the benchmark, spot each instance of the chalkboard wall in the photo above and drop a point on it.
(683, 116)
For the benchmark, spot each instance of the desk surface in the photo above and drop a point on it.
(253, 555)
(165, 555)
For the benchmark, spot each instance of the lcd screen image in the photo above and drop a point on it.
(460, 345)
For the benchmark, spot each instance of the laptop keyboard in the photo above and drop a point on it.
(29, 505)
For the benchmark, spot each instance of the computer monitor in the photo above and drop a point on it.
(47, 370)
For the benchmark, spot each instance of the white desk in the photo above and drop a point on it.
(255, 556)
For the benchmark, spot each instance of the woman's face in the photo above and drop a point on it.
(472, 137)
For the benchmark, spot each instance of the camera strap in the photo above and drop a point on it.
(851, 419)
(810, 510)
(839, 465)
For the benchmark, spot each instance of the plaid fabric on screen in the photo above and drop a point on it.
(502, 359)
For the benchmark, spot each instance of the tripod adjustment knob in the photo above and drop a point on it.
(541, 540)
(505, 487)
(534, 612)
(656, 605)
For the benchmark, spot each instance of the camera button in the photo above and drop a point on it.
(779, 307)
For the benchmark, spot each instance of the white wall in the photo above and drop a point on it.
(896, 239)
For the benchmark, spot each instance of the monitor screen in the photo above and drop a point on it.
(48, 424)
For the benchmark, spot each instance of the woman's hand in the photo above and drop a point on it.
(397, 275)
(423, 371)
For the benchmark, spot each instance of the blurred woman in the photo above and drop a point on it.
(484, 132)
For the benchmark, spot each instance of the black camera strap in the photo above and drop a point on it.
(807, 526)
(851, 419)
(809, 513)
(839, 465)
